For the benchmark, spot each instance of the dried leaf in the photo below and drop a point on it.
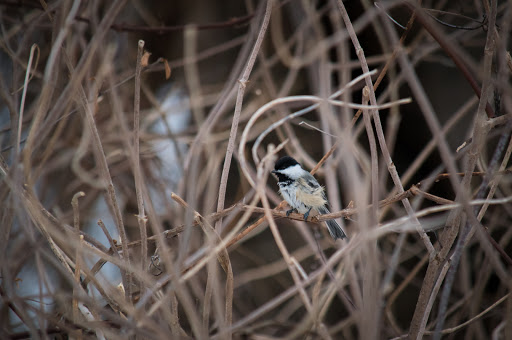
(145, 59)
(167, 69)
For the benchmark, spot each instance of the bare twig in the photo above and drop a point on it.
(242, 83)
(106, 177)
(479, 133)
(164, 30)
(452, 50)
(223, 258)
(141, 217)
(23, 97)
(287, 279)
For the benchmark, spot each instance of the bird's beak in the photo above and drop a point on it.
(273, 171)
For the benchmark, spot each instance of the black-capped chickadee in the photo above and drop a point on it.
(302, 192)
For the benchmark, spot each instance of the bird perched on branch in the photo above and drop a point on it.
(303, 193)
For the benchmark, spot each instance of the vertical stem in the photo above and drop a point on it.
(378, 126)
(141, 217)
(479, 134)
(242, 82)
(78, 256)
(22, 104)
(371, 293)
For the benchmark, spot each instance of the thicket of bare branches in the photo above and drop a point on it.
(407, 127)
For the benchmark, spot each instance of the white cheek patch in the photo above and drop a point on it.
(293, 172)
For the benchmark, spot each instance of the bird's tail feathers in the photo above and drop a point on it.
(334, 228)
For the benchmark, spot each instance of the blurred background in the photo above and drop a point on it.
(128, 171)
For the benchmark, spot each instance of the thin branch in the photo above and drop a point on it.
(242, 83)
(451, 48)
(378, 126)
(479, 133)
(137, 172)
(223, 258)
(164, 30)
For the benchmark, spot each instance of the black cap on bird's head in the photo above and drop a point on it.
(284, 162)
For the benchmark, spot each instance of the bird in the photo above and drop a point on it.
(303, 193)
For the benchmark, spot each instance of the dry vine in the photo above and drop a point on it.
(138, 202)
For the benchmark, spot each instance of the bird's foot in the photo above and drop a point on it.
(288, 212)
(306, 215)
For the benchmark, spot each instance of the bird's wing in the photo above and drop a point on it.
(311, 181)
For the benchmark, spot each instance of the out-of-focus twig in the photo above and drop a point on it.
(451, 49)
(242, 83)
(141, 217)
